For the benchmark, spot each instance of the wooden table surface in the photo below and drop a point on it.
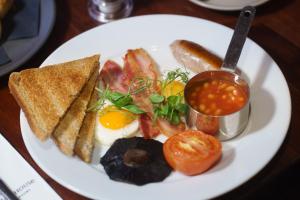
(276, 29)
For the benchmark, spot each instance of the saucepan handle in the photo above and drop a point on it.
(238, 39)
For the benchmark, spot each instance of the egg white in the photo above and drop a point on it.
(106, 136)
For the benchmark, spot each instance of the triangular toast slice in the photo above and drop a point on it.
(65, 135)
(46, 93)
(86, 139)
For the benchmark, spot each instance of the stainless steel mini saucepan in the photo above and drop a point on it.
(226, 125)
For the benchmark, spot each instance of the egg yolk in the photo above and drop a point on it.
(114, 118)
(173, 88)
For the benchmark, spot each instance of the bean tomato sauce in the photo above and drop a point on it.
(217, 97)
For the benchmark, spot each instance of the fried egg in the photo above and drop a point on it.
(114, 123)
(173, 88)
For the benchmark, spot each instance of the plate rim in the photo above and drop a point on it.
(229, 8)
(60, 181)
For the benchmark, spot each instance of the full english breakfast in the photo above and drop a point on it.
(125, 108)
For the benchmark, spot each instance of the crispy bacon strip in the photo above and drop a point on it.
(168, 129)
(139, 64)
(147, 127)
(112, 75)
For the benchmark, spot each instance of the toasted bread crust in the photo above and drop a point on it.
(45, 94)
(86, 139)
(17, 95)
(65, 134)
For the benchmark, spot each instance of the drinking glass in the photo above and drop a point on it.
(109, 10)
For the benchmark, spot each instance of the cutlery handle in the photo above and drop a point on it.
(239, 37)
(6, 193)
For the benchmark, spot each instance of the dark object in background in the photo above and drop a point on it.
(6, 193)
(286, 185)
(136, 160)
(23, 20)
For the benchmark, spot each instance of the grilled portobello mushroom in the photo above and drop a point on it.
(136, 160)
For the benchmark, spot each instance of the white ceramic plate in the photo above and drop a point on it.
(242, 157)
(228, 5)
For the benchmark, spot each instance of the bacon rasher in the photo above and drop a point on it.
(138, 65)
(112, 75)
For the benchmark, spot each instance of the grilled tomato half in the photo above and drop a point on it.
(192, 152)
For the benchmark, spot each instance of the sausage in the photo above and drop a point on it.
(195, 57)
